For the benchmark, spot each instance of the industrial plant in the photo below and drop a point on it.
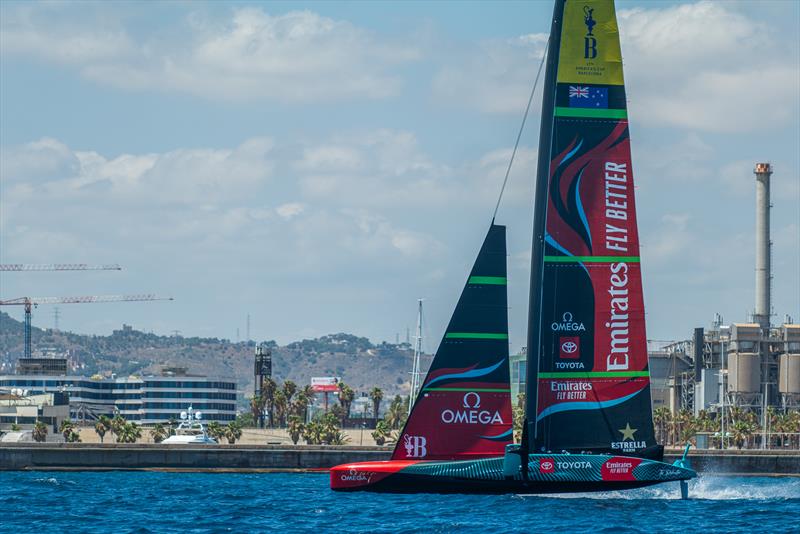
(750, 366)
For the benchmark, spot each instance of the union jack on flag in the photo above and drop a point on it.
(578, 92)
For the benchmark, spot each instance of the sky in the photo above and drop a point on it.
(319, 166)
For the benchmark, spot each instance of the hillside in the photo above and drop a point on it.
(356, 360)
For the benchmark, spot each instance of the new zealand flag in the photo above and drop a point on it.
(583, 96)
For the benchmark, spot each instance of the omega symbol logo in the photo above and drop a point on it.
(472, 396)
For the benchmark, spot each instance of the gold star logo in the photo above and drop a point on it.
(627, 432)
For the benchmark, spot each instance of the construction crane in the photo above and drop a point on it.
(30, 302)
(57, 267)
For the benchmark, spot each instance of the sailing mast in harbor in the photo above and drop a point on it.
(412, 395)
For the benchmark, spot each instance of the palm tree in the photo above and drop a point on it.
(518, 417)
(117, 424)
(102, 426)
(331, 433)
(69, 432)
(233, 432)
(280, 406)
(289, 389)
(397, 413)
(376, 396)
(661, 417)
(312, 433)
(268, 392)
(158, 433)
(129, 433)
(337, 411)
(257, 408)
(216, 431)
(295, 428)
(381, 432)
(39, 431)
(309, 393)
(346, 396)
(741, 432)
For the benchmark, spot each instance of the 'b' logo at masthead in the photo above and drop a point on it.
(589, 42)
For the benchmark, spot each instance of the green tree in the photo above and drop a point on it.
(518, 417)
(257, 404)
(312, 433)
(233, 432)
(661, 418)
(281, 407)
(246, 420)
(295, 428)
(307, 394)
(129, 433)
(101, 426)
(39, 431)
(117, 424)
(270, 387)
(397, 413)
(346, 397)
(159, 433)
(382, 431)
(69, 431)
(289, 389)
(15, 427)
(376, 396)
(216, 430)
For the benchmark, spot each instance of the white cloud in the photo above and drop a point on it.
(184, 176)
(290, 209)
(707, 67)
(296, 56)
(494, 77)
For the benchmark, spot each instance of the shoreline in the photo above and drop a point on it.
(308, 458)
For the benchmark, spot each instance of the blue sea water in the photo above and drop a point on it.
(192, 502)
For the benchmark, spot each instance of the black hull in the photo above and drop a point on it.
(400, 483)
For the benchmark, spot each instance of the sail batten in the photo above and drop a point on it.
(588, 385)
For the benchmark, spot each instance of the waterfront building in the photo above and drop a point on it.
(20, 408)
(144, 399)
(519, 370)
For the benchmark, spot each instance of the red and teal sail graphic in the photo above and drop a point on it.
(463, 410)
(591, 391)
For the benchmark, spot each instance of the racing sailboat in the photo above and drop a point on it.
(588, 424)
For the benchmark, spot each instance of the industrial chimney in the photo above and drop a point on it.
(763, 172)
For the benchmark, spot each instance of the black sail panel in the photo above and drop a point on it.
(463, 410)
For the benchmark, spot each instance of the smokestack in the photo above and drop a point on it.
(698, 352)
(763, 172)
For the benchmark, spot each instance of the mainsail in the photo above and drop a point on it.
(588, 381)
(463, 410)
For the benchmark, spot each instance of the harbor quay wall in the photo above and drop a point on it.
(76, 456)
(745, 462)
(85, 456)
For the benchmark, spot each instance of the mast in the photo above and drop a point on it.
(412, 396)
(539, 213)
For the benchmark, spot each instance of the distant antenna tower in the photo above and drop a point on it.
(408, 336)
(237, 334)
(397, 338)
(247, 329)
(56, 315)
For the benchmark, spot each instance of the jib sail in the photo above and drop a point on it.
(463, 410)
(591, 388)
